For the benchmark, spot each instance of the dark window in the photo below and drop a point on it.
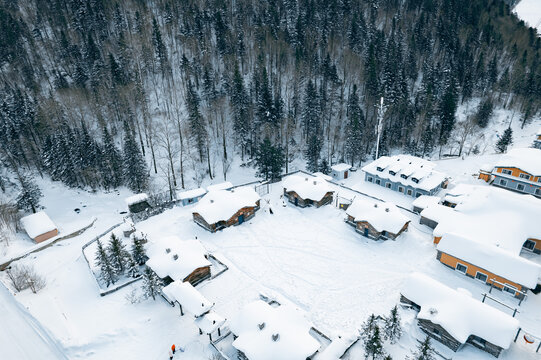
(503, 182)
(529, 245)
(506, 172)
(415, 180)
(379, 168)
(409, 192)
(370, 179)
(525, 176)
(520, 187)
(482, 277)
(392, 172)
(417, 195)
(509, 289)
(388, 185)
(537, 191)
(378, 181)
(404, 176)
(461, 268)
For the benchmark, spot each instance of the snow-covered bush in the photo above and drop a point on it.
(23, 277)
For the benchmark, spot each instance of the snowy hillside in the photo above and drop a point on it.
(530, 12)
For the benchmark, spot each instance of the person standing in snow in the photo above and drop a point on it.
(170, 355)
(173, 348)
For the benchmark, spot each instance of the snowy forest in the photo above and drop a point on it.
(100, 94)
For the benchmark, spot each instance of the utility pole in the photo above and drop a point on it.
(380, 125)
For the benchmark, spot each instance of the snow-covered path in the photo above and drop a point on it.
(23, 337)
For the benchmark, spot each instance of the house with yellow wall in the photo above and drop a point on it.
(519, 170)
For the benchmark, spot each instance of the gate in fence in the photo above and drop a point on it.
(263, 188)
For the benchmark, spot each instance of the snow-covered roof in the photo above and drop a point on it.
(337, 348)
(176, 258)
(190, 194)
(137, 198)
(411, 167)
(437, 212)
(313, 188)
(492, 258)
(323, 176)
(424, 201)
(221, 186)
(458, 313)
(37, 224)
(220, 205)
(209, 322)
(486, 168)
(538, 132)
(191, 300)
(381, 215)
(491, 216)
(526, 159)
(269, 333)
(341, 167)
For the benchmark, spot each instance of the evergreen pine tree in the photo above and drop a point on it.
(135, 172)
(373, 346)
(505, 140)
(354, 146)
(240, 104)
(117, 253)
(111, 161)
(484, 113)
(324, 167)
(151, 283)
(312, 153)
(198, 128)
(393, 329)
(29, 194)
(269, 160)
(368, 327)
(107, 272)
(159, 47)
(138, 250)
(425, 351)
(132, 269)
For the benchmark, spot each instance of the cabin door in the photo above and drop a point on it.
(366, 231)
(346, 175)
(296, 201)
(241, 219)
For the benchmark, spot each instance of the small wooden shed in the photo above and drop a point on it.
(39, 226)
(138, 203)
(340, 171)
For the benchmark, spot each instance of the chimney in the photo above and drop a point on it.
(261, 326)
(175, 257)
(315, 182)
(167, 251)
(386, 209)
(211, 201)
(275, 337)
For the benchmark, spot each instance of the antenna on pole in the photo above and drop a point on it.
(380, 124)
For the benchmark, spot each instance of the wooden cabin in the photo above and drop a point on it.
(173, 259)
(455, 319)
(222, 208)
(306, 191)
(39, 226)
(188, 299)
(519, 170)
(260, 329)
(485, 173)
(376, 220)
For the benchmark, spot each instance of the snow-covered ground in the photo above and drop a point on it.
(530, 12)
(308, 257)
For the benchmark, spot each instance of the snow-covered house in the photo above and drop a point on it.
(485, 234)
(485, 173)
(173, 259)
(264, 332)
(226, 185)
(406, 174)
(433, 213)
(454, 318)
(340, 171)
(188, 298)
(137, 203)
(190, 196)
(220, 209)
(377, 220)
(519, 170)
(319, 174)
(305, 191)
(423, 201)
(39, 226)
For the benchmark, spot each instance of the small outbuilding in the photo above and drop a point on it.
(264, 332)
(173, 259)
(190, 196)
(376, 220)
(188, 298)
(306, 191)
(455, 318)
(39, 226)
(138, 203)
(210, 323)
(485, 173)
(340, 171)
(220, 209)
(434, 213)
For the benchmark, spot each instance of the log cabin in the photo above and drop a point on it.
(173, 259)
(455, 319)
(376, 220)
(39, 226)
(223, 208)
(409, 175)
(306, 191)
(264, 332)
(519, 170)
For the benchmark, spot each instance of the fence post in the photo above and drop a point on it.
(516, 336)
(514, 312)
(484, 297)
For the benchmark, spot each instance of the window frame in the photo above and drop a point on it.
(520, 187)
(370, 179)
(507, 172)
(509, 287)
(482, 273)
(388, 185)
(409, 192)
(465, 270)
(503, 182)
(525, 176)
(526, 248)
